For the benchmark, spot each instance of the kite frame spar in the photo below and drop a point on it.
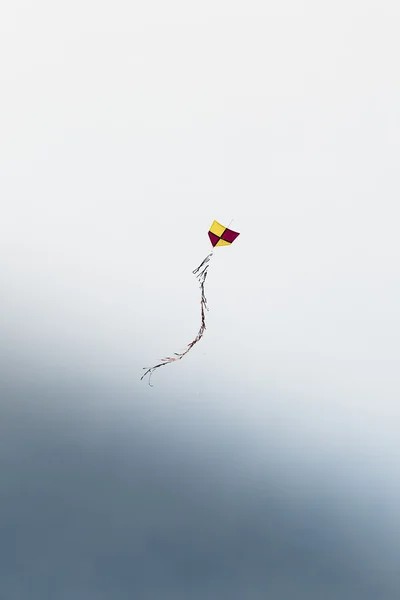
(216, 235)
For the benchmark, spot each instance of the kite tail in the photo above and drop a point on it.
(201, 274)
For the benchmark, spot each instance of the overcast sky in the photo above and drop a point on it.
(125, 130)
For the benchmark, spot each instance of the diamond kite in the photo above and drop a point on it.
(219, 236)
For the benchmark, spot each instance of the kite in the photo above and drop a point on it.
(219, 236)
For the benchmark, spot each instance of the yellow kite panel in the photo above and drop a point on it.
(217, 229)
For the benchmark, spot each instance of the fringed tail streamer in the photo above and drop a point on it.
(201, 274)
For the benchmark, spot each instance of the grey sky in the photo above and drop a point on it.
(125, 129)
(106, 504)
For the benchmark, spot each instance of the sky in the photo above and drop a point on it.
(126, 129)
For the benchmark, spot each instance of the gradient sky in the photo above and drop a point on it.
(125, 129)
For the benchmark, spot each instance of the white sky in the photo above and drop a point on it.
(126, 128)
